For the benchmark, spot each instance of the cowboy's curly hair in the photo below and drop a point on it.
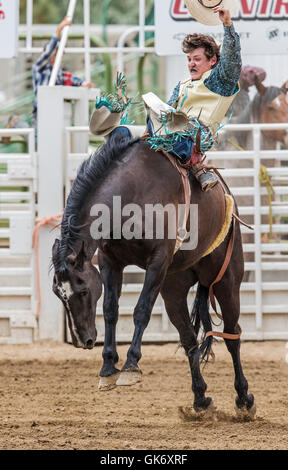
(193, 41)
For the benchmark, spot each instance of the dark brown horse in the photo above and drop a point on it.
(142, 177)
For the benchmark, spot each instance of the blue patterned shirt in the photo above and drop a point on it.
(224, 78)
(42, 70)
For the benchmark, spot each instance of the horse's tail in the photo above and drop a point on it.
(200, 315)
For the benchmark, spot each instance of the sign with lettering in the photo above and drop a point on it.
(9, 20)
(261, 24)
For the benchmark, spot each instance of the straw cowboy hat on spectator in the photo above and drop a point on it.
(202, 10)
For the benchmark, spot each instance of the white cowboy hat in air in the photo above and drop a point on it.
(202, 10)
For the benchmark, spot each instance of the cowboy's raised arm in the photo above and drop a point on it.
(226, 74)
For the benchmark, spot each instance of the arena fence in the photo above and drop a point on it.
(18, 187)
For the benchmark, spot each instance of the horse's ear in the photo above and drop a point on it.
(82, 256)
(77, 259)
(55, 249)
(260, 87)
(72, 258)
(285, 85)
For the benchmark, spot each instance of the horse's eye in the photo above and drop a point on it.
(83, 292)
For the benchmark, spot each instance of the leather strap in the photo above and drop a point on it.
(182, 232)
(241, 221)
(224, 335)
(223, 267)
(218, 278)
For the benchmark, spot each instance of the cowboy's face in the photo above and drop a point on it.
(198, 63)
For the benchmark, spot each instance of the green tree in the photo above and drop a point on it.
(53, 11)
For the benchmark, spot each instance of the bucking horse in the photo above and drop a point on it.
(129, 169)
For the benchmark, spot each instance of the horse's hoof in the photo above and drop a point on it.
(108, 383)
(203, 405)
(209, 413)
(244, 414)
(199, 413)
(245, 411)
(128, 378)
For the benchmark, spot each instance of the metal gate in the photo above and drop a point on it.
(17, 215)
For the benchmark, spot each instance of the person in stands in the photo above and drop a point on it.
(42, 69)
(41, 74)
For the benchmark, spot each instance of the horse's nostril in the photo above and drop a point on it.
(89, 344)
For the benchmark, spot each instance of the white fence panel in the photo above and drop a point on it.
(17, 215)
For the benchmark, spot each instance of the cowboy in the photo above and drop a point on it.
(197, 103)
(211, 88)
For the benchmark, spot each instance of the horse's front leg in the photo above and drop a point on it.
(112, 279)
(155, 275)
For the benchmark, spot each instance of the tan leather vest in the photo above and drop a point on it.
(198, 102)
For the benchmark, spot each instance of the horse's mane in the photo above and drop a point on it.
(90, 174)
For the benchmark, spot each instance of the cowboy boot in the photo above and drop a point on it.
(205, 177)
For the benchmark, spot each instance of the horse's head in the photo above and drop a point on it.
(272, 107)
(78, 285)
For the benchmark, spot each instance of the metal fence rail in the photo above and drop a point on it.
(17, 216)
(86, 50)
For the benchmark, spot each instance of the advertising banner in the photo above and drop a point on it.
(9, 20)
(261, 24)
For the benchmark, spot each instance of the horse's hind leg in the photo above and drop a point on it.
(174, 292)
(112, 280)
(230, 308)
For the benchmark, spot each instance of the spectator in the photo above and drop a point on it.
(43, 67)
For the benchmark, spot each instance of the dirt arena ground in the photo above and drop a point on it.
(49, 400)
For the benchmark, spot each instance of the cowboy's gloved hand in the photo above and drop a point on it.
(224, 15)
